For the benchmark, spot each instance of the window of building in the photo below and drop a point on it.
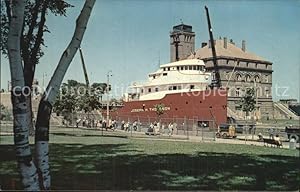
(170, 88)
(164, 69)
(168, 68)
(198, 68)
(185, 67)
(192, 86)
(248, 78)
(142, 90)
(256, 79)
(266, 66)
(194, 67)
(266, 78)
(154, 76)
(190, 67)
(256, 65)
(179, 87)
(165, 74)
(237, 92)
(174, 88)
(149, 90)
(156, 89)
(177, 68)
(181, 68)
(238, 77)
(267, 93)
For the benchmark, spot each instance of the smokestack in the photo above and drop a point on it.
(203, 44)
(244, 45)
(225, 42)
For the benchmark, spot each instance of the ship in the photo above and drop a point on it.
(178, 91)
(182, 90)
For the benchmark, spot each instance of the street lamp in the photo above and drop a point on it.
(109, 73)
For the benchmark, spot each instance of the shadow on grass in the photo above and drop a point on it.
(122, 167)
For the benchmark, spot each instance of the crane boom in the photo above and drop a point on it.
(216, 82)
(84, 69)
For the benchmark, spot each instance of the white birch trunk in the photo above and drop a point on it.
(28, 171)
(46, 104)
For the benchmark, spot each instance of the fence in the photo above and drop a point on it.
(185, 127)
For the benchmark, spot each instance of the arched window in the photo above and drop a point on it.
(238, 77)
(256, 79)
(248, 78)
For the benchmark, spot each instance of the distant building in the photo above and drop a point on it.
(238, 69)
(182, 42)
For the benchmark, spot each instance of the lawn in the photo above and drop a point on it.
(118, 162)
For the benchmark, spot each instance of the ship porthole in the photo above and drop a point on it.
(186, 102)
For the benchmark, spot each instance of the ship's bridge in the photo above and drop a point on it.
(181, 76)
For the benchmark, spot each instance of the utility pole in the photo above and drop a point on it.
(107, 92)
(44, 75)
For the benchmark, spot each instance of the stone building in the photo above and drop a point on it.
(238, 69)
(182, 42)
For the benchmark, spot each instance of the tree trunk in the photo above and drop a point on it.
(27, 168)
(30, 115)
(48, 99)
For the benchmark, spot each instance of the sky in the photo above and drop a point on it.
(131, 38)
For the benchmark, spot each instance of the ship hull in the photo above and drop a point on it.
(209, 105)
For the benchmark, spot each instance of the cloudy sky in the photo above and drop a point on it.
(129, 37)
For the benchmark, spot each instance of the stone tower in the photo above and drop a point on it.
(182, 42)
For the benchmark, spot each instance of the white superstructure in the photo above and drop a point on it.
(176, 77)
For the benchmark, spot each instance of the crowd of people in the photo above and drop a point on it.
(154, 128)
(93, 123)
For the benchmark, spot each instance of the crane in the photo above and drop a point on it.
(216, 81)
(84, 69)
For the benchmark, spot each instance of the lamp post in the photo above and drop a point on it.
(107, 92)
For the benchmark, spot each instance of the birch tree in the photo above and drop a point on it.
(32, 36)
(52, 90)
(29, 177)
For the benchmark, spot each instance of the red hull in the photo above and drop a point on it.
(210, 105)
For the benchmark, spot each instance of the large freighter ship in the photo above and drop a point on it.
(182, 88)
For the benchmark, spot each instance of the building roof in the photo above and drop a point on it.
(231, 51)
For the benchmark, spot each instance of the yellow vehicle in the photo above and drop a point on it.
(226, 131)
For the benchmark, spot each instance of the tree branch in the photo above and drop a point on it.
(8, 10)
(29, 65)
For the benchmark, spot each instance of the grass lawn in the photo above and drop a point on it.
(114, 162)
